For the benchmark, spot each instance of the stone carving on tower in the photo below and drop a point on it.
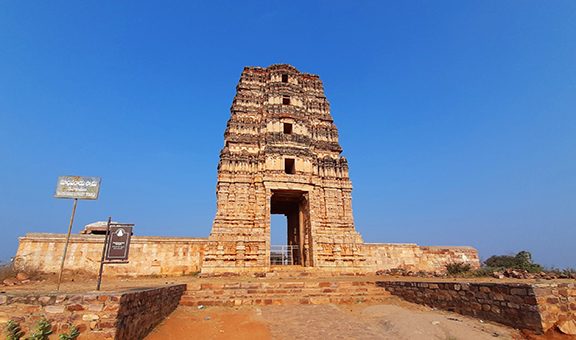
(282, 156)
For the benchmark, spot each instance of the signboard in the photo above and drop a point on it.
(83, 188)
(119, 242)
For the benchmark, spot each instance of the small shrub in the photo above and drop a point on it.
(484, 271)
(522, 261)
(42, 331)
(72, 334)
(566, 273)
(501, 261)
(458, 268)
(13, 330)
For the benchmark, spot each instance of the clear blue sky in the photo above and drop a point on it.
(458, 117)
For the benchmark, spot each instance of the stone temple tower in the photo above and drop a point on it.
(282, 156)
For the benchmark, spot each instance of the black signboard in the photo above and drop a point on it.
(119, 242)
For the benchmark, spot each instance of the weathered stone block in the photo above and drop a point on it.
(90, 317)
(56, 309)
(75, 307)
(518, 291)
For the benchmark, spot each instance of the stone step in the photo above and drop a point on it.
(265, 292)
(292, 272)
(281, 300)
(208, 295)
(275, 292)
(300, 272)
(284, 290)
(231, 285)
(191, 300)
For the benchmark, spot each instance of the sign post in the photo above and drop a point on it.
(116, 246)
(103, 252)
(67, 241)
(75, 187)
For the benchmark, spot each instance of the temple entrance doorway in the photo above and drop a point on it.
(290, 217)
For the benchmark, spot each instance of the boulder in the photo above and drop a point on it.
(498, 275)
(10, 281)
(21, 276)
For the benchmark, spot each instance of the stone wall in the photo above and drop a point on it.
(148, 255)
(536, 307)
(107, 315)
(556, 303)
(409, 256)
(142, 310)
(173, 256)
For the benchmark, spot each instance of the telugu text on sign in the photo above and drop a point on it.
(84, 188)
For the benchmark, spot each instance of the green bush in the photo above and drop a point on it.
(42, 331)
(13, 330)
(521, 261)
(71, 335)
(485, 271)
(458, 268)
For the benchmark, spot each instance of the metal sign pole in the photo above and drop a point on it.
(103, 253)
(66, 245)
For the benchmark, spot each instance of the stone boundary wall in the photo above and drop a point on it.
(556, 303)
(148, 255)
(174, 256)
(142, 310)
(409, 256)
(109, 315)
(536, 307)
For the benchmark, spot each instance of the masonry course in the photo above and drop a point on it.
(533, 306)
(126, 314)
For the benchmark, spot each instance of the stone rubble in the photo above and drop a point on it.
(523, 274)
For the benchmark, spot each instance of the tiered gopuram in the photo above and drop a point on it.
(282, 156)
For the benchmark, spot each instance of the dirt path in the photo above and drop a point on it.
(213, 323)
(397, 320)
